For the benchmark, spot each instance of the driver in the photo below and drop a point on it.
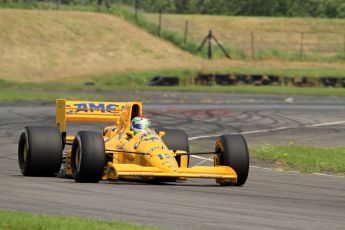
(140, 124)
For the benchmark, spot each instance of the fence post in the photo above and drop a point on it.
(136, 10)
(58, 4)
(159, 22)
(209, 53)
(344, 45)
(302, 45)
(186, 32)
(252, 38)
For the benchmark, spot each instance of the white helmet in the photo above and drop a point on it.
(140, 124)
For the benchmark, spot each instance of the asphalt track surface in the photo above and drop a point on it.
(269, 200)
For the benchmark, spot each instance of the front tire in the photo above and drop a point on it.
(232, 150)
(40, 151)
(88, 157)
(176, 139)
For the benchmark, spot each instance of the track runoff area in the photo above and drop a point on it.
(210, 159)
(269, 199)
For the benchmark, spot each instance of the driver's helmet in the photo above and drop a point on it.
(140, 124)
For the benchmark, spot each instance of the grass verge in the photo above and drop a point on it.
(270, 37)
(104, 87)
(175, 38)
(36, 94)
(22, 220)
(321, 40)
(303, 158)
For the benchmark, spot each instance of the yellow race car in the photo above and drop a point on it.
(120, 153)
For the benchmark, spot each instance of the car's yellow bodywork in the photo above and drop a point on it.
(141, 156)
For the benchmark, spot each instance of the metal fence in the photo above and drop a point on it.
(246, 44)
(241, 43)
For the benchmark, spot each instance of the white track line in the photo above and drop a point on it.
(270, 169)
(327, 124)
(270, 130)
(275, 129)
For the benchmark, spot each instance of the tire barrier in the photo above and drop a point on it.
(329, 81)
(252, 79)
(237, 79)
(224, 79)
(164, 81)
(305, 82)
(267, 80)
(204, 79)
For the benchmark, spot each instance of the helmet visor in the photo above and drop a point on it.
(140, 126)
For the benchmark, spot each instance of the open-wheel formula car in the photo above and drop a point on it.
(121, 154)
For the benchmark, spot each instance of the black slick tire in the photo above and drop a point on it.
(176, 139)
(232, 150)
(40, 151)
(88, 157)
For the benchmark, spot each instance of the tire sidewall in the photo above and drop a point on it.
(91, 157)
(23, 165)
(235, 154)
(176, 139)
(76, 169)
(43, 151)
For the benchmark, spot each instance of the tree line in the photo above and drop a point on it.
(288, 8)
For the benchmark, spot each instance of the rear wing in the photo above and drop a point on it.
(90, 111)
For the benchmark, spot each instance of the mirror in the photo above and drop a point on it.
(161, 134)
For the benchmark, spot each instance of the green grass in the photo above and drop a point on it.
(236, 39)
(35, 93)
(137, 82)
(11, 220)
(175, 38)
(50, 6)
(274, 37)
(303, 158)
(175, 35)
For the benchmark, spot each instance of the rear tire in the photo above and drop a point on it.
(232, 150)
(88, 157)
(176, 139)
(40, 151)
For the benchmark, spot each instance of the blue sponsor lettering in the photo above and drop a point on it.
(151, 139)
(155, 148)
(85, 107)
(97, 107)
(111, 108)
(168, 156)
(136, 145)
(81, 107)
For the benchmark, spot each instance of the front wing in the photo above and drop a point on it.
(117, 171)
